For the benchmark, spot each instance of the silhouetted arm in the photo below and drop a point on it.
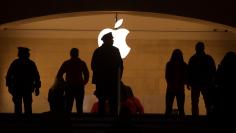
(61, 71)
(37, 82)
(189, 73)
(168, 74)
(9, 78)
(121, 69)
(219, 76)
(85, 73)
(185, 72)
(93, 61)
(121, 66)
(9, 75)
(212, 68)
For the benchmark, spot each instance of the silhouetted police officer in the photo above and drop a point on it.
(22, 80)
(107, 67)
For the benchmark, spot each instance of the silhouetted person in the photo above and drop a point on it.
(107, 67)
(76, 77)
(224, 99)
(130, 104)
(22, 80)
(95, 107)
(201, 73)
(176, 78)
(56, 96)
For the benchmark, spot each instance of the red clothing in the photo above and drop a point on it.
(95, 107)
(133, 105)
(76, 72)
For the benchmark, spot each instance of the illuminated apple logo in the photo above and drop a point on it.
(119, 37)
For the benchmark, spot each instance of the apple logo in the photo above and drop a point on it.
(119, 37)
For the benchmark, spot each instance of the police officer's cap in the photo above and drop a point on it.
(23, 49)
(107, 36)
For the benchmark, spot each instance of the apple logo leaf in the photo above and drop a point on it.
(118, 23)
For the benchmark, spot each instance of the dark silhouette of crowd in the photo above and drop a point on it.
(199, 75)
(129, 104)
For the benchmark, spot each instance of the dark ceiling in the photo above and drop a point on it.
(219, 11)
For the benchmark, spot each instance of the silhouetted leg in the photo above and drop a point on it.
(195, 94)
(52, 107)
(180, 102)
(69, 99)
(113, 103)
(101, 106)
(169, 102)
(79, 100)
(101, 95)
(205, 95)
(28, 103)
(18, 104)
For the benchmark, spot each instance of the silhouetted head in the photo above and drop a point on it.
(126, 91)
(107, 38)
(229, 58)
(199, 47)
(230, 54)
(23, 52)
(129, 91)
(74, 52)
(177, 55)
